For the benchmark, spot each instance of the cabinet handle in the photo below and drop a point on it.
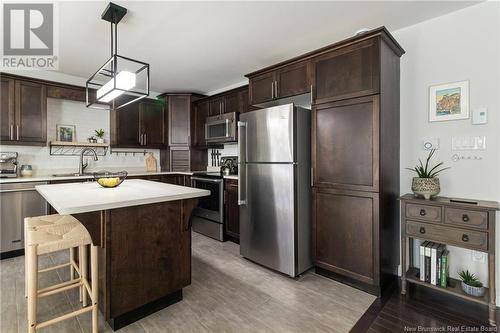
(276, 89)
(465, 238)
(272, 90)
(17, 132)
(422, 230)
(465, 218)
(140, 139)
(11, 132)
(145, 139)
(422, 212)
(312, 177)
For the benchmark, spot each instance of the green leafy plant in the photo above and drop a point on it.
(426, 171)
(99, 133)
(470, 279)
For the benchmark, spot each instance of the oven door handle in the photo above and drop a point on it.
(206, 180)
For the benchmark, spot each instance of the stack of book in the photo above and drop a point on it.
(434, 263)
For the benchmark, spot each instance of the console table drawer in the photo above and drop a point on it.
(467, 218)
(475, 240)
(423, 212)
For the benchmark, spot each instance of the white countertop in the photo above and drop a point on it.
(44, 177)
(74, 198)
(231, 177)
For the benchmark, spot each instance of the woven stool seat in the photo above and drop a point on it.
(50, 234)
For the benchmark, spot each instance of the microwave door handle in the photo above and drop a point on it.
(242, 173)
(227, 128)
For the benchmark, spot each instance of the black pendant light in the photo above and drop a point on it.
(121, 80)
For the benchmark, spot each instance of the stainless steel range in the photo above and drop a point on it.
(208, 217)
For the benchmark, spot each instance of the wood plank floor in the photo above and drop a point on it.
(422, 309)
(227, 294)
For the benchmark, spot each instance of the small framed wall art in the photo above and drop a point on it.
(449, 101)
(65, 133)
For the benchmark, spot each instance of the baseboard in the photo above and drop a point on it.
(11, 254)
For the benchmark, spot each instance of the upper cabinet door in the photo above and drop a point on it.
(215, 106)
(293, 80)
(152, 123)
(200, 118)
(347, 72)
(7, 120)
(346, 144)
(31, 112)
(179, 108)
(231, 103)
(127, 126)
(262, 88)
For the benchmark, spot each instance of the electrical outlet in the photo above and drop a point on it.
(479, 256)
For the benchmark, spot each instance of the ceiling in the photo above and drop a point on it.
(206, 46)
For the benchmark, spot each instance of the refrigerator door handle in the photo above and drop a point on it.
(242, 172)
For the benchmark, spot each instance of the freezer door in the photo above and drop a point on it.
(267, 221)
(269, 134)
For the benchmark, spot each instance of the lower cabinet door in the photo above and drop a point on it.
(345, 234)
(232, 210)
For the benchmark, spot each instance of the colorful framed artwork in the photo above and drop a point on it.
(65, 133)
(449, 101)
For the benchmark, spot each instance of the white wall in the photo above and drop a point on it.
(463, 45)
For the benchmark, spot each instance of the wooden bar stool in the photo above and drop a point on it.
(43, 239)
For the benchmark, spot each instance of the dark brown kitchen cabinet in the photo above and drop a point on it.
(355, 160)
(30, 113)
(179, 120)
(24, 112)
(294, 79)
(176, 179)
(235, 100)
(186, 159)
(345, 233)
(152, 123)
(139, 124)
(346, 144)
(231, 210)
(7, 114)
(348, 72)
(216, 106)
(290, 80)
(200, 114)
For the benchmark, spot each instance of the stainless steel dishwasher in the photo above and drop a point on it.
(17, 201)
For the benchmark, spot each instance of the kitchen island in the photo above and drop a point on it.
(143, 231)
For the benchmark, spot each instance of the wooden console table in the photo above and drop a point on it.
(463, 223)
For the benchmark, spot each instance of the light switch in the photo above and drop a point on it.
(468, 143)
(480, 116)
(430, 143)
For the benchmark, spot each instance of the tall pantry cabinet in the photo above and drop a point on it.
(355, 158)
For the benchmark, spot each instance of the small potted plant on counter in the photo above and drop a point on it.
(427, 183)
(471, 284)
(100, 135)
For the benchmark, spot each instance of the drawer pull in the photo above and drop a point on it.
(422, 212)
(422, 230)
(465, 238)
(465, 218)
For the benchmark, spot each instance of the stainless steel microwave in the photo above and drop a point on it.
(221, 128)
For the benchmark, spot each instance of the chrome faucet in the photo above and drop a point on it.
(82, 166)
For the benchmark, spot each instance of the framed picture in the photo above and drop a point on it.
(449, 101)
(65, 133)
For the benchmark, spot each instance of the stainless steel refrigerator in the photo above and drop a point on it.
(274, 192)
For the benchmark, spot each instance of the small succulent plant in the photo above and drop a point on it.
(426, 171)
(99, 133)
(470, 279)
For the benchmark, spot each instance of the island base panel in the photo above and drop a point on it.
(145, 310)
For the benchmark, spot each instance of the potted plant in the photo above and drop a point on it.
(92, 139)
(427, 183)
(471, 284)
(100, 135)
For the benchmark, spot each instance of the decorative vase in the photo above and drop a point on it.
(473, 291)
(426, 187)
(100, 140)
